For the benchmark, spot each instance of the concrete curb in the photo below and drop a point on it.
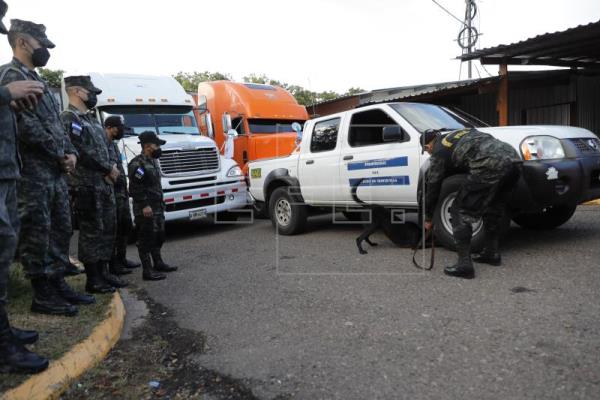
(51, 383)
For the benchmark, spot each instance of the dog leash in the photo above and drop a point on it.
(422, 242)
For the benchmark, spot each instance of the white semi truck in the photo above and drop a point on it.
(197, 181)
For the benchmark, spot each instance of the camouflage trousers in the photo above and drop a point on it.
(95, 207)
(151, 233)
(483, 195)
(9, 230)
(124, 225)
(44, 211)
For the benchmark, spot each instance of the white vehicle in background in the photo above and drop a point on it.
(197, 181)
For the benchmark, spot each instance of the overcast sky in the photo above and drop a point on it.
(319, 44)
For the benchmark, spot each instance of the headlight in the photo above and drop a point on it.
(542, 148)
(234, 172)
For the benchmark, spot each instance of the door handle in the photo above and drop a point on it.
(310, 162)
(348, 158)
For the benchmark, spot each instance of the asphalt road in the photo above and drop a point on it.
(307, 317)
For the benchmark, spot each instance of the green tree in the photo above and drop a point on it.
(52, 76)
(190, 80)
(353, 91)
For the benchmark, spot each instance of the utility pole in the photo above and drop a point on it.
(469, 21)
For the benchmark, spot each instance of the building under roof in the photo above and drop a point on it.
(564, 97)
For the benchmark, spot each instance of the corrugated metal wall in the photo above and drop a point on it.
(482, 106)
(588, 105)
(533, 100)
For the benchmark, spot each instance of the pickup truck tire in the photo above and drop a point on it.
(442, 220)
(550, 218)
(287, 216)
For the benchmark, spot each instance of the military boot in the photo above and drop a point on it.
(490, 253)
(62, 288)
(464, 267)
(24, 336)
(47, 301)
(149, 274)
(159, 264)
(72, 270)
(109, 278)
(94, 283)
(116, 267)
(14, 357)
(121, 255)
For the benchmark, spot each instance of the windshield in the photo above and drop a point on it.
(161, 120)
(428, 116)
(271, 125)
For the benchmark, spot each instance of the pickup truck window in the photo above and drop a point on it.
(366, 128)
(428, 116)
(324, 135)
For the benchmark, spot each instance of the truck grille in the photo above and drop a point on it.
(587, 146)
(175, 162)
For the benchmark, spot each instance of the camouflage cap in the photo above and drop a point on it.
(3, 9)
(36, 31)
(83, 81)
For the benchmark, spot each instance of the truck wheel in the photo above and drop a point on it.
(288, 217)
(550, 218)
(442, 219)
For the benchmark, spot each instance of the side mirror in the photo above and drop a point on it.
(209, 126)
(393, 134)
(227, 125)
(232, 133)
(298, 129)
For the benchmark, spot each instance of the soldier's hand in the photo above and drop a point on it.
(69, 162)
(29, 90)
(147, 211)
(114, 174)
(24, 104)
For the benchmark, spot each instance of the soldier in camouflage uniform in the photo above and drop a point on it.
(120, 265)
(94, 178)
(47, 154)
(14, 357)
(492, 169)
(148, 206)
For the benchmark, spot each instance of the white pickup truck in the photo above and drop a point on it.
(380, 145)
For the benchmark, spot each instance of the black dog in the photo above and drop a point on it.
(405, 234)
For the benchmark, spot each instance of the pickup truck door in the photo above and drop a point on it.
(389, 170)
(318, 168)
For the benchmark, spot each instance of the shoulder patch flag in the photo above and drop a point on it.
(76, 129)
(139, 173)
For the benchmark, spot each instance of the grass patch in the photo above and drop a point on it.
(57, 334)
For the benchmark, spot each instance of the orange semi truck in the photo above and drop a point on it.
(262, 115)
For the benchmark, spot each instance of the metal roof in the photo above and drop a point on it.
(412, 92)
(575, 47)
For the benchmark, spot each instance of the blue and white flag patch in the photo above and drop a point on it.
(139, 173)
(76, 129)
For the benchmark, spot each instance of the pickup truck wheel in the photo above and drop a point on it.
(550, 218)
(286, 215)
(443, 221)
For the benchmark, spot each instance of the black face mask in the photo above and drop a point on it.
(157, 153)
(120, 133)
(91, 101)
(40, 57)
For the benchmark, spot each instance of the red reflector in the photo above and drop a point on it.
(234, 190)
(220, 193)
(169, 200)
(187, 197)
(204, 195)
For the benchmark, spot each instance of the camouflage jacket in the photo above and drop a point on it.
(92, 144)
(144, 185)
(42, 139)
(10, 163)
(462, 151)
(121, 184)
